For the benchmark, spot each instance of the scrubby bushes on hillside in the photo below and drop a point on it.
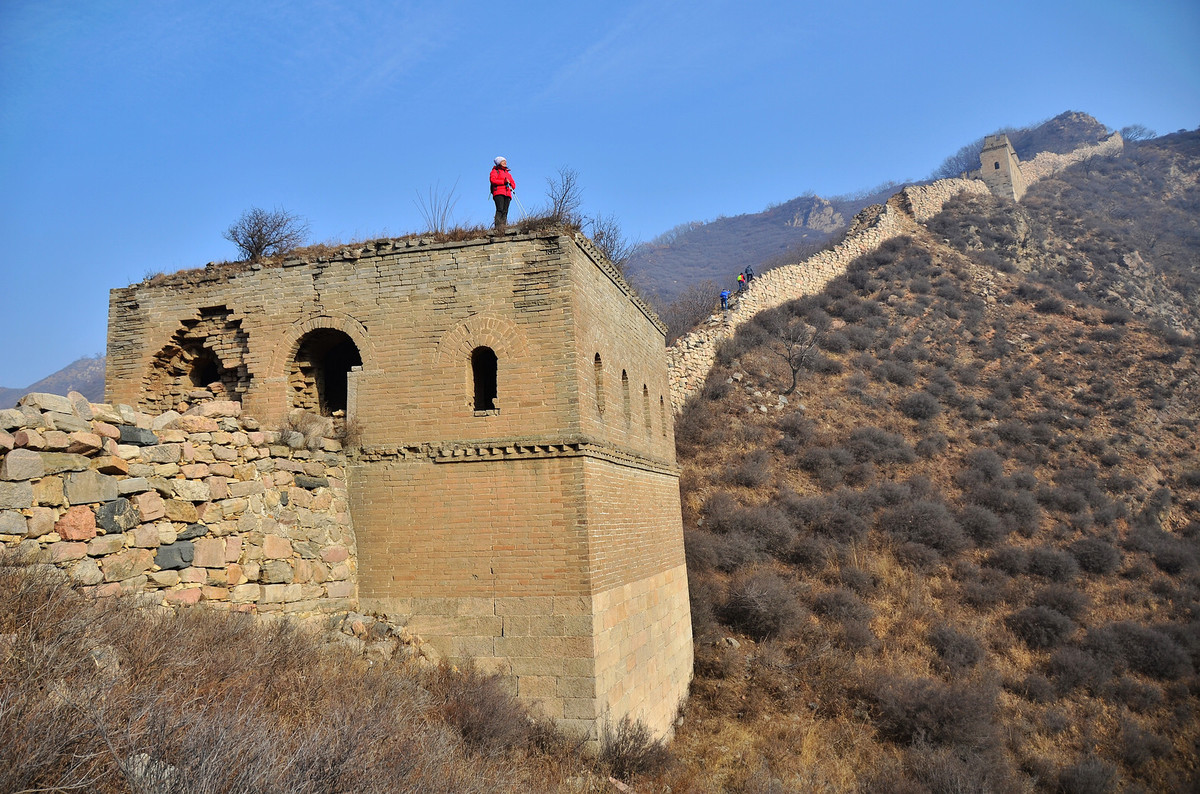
(101, 696)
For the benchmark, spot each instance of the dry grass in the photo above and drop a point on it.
(107, 696)
(839, 714)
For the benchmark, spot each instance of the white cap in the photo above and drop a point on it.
(500, 160)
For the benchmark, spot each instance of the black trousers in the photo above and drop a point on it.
(502, 203)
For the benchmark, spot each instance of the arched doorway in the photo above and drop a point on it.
(319, 374)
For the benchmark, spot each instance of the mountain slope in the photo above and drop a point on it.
(86, 376)
(965, 554)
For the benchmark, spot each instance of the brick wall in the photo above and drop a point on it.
(520, 532)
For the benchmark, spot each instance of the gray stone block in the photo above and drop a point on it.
(192, 531)
(11, 419)
(47, 402)
(58, 462)
(12, 523)
(16, 495)
(133, 485)
(117, 515)
(68, 423)
(22, 464)
(138, 436)
(309, 482)
(176, 556)
(90, 487)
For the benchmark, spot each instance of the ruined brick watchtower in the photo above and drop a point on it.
(513, 486)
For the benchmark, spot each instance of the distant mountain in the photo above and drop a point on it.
(85, 376)
(720, 249)
(789, 232)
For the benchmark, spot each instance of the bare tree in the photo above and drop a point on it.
(260, 232)
(965, 159)
(691, 307)
(607, 236)
(796, 344)
(437, 208)
(566, 196)
(1138, 132)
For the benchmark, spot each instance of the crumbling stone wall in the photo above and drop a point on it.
(691, 357)
(204, 507)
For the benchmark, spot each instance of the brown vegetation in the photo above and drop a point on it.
(971, 561)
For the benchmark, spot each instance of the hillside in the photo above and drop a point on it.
(965, 554)
(718, 250)
(85, 376)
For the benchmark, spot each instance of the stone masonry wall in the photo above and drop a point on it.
(203, 507)
(691, 357)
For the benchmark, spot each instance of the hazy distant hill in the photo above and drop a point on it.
(85, 376)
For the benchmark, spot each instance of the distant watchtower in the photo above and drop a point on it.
(1002, 168)
(514, 490)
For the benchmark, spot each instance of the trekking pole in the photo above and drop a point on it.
(520, 206)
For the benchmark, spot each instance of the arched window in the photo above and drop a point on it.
(319, 372)
(599, 384)
(646, 406)
(997, 165)
(625, 398)
(483, 377)
(662, 415)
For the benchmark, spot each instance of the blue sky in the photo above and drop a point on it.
(133, 133)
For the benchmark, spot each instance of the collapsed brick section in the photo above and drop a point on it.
(210, 348)
(513, 487)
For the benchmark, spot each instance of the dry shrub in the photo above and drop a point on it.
(1096, 556)
(958, 651)
(630, 750)
(106, 696)
(914, 711)
(1089, 776)
(843, 606)
(920, 405)
(763, 604)
(1073, 668)
(926, 522)
(1040, 627)
(1053, 564)
(480, 707)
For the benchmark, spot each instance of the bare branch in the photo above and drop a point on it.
(795, 345)
(566, 196)
(260, 232)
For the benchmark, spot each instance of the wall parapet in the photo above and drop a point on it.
(203, 507)
(691, 357)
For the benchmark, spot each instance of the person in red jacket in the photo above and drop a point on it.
(502, 190)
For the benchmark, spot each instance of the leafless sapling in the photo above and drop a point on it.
(260, 232)
(795, 344)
